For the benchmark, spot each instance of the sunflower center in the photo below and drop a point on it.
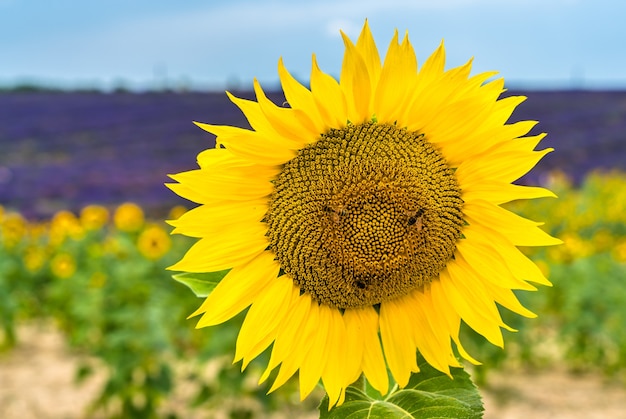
(366, 214)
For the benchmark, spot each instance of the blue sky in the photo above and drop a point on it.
(219, 43)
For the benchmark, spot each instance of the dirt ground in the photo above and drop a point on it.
(554, 394)
(37, 381)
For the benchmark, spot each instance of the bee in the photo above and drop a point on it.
(335, 213)
(415, 218)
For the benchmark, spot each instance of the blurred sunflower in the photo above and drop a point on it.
(64, 224)
(361, 223)
(94, 217)
(154, 242)
(34, 258)
(13, 228)
(176, 212)
(63, 265)
(128, 217)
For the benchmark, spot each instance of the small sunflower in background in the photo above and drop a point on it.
(361, 220)
(128, 217)
(63, 265)
(154, 242)
(35, 257)
(63, 225)
(94, 217)
(176, 212)
(13, 228)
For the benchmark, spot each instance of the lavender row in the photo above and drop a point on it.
(64, 150)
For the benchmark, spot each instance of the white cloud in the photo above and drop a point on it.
(349, 27)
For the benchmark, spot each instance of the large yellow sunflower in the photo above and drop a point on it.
(361, 220)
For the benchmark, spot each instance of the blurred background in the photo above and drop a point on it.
(97, 101)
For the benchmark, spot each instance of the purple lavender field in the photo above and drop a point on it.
(62, 150)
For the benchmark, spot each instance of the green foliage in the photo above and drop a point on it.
(429, 394)
(201, 284)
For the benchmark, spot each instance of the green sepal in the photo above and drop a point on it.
(429, 394)
(202, 284)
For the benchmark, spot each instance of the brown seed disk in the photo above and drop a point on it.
(368, 213)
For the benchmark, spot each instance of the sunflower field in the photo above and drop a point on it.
(99, 275)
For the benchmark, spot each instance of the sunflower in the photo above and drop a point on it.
(94, 217)
(361, 220)
(63, 225)
(153, 242)
(128, 217)
(63, 265)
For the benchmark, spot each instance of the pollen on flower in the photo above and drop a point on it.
(366, 214)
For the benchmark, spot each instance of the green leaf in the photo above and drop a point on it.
(202, 284)
(429, 394)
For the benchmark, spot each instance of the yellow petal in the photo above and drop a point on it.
(432, 340)
(451, 125)
(490, 290)
(472, 285)
(519, 231)
(334, 376)
(299, 97)
(459, 76)
(355, 343)
(522, 268)
(267, 312)
(450, 317)
(465, 124)
(503, 109)
(455, 116)
(374, 366)
(230, 247)
(366, 47)
(507, 298)
(290, 329)
(488, 136)
(355, 83)
(500, 193)
(396, 332)
(208, 220)
(293, 343)
(314, 363)
(431, 71)
(292, 124)
(396, 82)
(255, 147)
(219, 158)
(433, 67)
(477, 314)
(253, 113)
(503, 167)
(204, 186)
(488, 262)
(237, 290)
(329, 98)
